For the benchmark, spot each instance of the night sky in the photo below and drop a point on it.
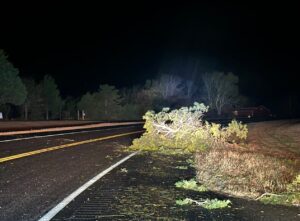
(125, 44)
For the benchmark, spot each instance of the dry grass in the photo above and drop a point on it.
(235, 171)
(266, 164)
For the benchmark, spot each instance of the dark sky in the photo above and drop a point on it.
(124, 44)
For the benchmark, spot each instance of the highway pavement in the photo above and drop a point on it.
(36, 173)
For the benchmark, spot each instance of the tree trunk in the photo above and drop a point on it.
(26, 112)
(105, 108)
(47, 114)
(219, 109)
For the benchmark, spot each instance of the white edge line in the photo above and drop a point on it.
(61, 134)
(48, 216)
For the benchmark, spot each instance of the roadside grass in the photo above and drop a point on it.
(207, 203)
(181, 167)
(284, 199)
(190, 185)
(191, 162)
(245, 173)
(292, 197)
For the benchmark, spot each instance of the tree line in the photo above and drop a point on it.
(42, 100)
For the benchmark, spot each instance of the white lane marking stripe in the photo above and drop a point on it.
(53, 135)
(48, 216)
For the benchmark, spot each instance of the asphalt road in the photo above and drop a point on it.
(56, 166)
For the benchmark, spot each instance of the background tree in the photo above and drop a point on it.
(190, 88)
(62, 104)
(130, 94)
(165, 90)
(31, 87)
(51, 95)
(108, 102)
(148, 98)
(105, 104)
(88, 103)
(168, 86)
(70, 108)
(37, 107)
(132, 107)
(220, 89)
(12, 89)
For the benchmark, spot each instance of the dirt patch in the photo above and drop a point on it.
(279, 138)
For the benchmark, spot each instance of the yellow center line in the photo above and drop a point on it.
(17, 156)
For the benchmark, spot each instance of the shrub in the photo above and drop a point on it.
(236, 131)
